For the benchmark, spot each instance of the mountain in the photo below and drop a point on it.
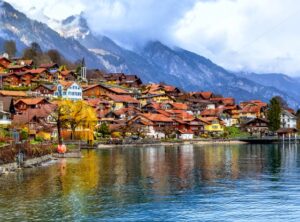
(18, 27)
(155, 62)
(280, 81)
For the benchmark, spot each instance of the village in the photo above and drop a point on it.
(119, 106)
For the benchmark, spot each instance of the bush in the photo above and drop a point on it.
(23, 134)
(234, 132)
(39, 139)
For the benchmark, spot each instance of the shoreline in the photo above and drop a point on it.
(196, 142)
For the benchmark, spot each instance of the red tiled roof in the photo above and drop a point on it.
(122, 98)
(36, 71)
(119, 90)
(206, 95)
(251, 108)
(31, 101)
(186, 131)
(157, 117)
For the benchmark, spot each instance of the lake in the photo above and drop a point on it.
(180, 183)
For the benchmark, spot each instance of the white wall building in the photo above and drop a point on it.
(288, 120)
(68, 90)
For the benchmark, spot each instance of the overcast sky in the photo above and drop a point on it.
(250, 35)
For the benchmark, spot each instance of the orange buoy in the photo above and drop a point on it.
(61, 148)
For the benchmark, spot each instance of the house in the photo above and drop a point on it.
(132, 81)
(257, 127)
(185, 134)
(10, 79)
(121, 101)
(38, 120)
(251, 110)
(68, 90)
(158, 89)
(44, 90)
(198, 105)
(214, 125)
(30, 103)
(97, 90)
(155, 125)
(201, 95)
(287, 119)
(158, 98)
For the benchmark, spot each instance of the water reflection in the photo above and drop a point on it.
(105, 183)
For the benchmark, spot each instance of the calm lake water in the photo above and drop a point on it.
(183, 183)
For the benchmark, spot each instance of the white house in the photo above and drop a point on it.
(68, 90)
(288, 120)
(186, 134)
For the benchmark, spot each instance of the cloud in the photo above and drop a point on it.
(251, 35)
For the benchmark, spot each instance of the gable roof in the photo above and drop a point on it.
(13, 93)
(156, 117)
(122, 98)
(32, 101)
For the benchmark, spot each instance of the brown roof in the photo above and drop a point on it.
(13, 93)
(36, 71)
(122, 98)
(32, 101)
(156, 117)
(28, 115)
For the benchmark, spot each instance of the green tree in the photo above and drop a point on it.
(298, 119)
(274, 114)
(10, 48)
(103, 130)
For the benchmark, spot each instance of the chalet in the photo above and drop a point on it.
(40, 74)
(175, 105)
(251, 110)
(201, 95)
(158, 89)
(123, 80)
(13, 68)
(68, 90)
(67, 75)
(44, 90)
(159, 98)
(288, 119)
(39, 121)
(32, 103)
(198, 105)
(97, 90)
(121, 101)
(156, 125)
(257, 127)
(123, 113)
(10, 79)
(224, 101)
(214, 125)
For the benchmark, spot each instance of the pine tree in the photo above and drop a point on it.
(274, 114)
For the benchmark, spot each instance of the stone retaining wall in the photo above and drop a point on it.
(11, 167)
